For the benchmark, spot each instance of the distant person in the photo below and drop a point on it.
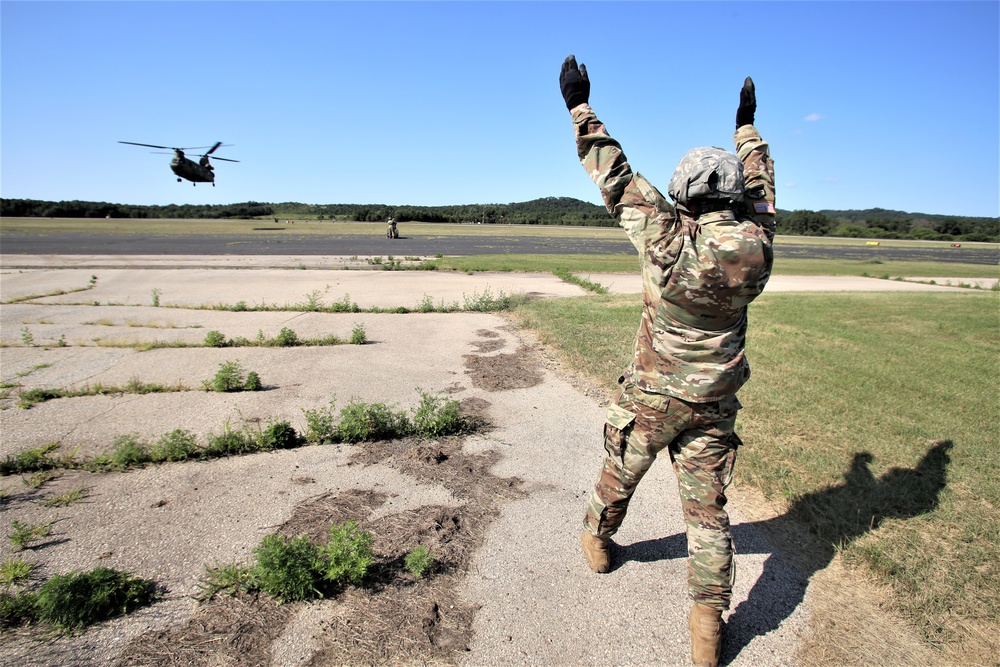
(704, 258)
(391, 231)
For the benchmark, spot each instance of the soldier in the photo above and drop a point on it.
(391, 231)
(704, 258)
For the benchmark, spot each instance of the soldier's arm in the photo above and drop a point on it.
(758, 169)
(630, 198)
(758, 173)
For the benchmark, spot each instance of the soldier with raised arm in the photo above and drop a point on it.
(704, 258)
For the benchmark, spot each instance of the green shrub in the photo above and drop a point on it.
(72, 601)
(286, 338)
(358, 335)
(215, 339)
(288, 570)
(279, 435)
(129, 451)
(229, 443)
(321, 426)
(418, 561)
(229, 377)
(253, 382)
(178, 445)
(348, 554)
(371, 421)
(436, 416)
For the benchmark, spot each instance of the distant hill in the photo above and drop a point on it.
(874, 223)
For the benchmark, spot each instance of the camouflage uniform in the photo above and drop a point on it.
(679, 391)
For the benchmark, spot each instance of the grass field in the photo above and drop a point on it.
(871, 418)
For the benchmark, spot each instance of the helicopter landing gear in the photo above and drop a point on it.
(178, 180)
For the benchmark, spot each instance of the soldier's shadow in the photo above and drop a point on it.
(846, 511)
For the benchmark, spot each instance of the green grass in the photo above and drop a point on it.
(872, 418)
(622, 263)
(32, 397)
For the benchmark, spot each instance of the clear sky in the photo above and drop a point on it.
(865, 104)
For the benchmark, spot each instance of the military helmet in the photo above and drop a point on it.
(707, 173)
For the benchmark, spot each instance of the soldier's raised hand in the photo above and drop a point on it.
(573, 83)
(748, 104)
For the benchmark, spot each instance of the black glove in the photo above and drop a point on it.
(573, 83)
(748, 104)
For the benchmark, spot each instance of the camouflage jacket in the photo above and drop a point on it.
(697, 275)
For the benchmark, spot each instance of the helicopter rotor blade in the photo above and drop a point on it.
(224, 159)
(171, 148)
(217, 144)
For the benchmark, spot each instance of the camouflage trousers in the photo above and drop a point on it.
(702, 446)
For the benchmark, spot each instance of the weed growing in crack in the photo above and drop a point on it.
(178, 445)
(24, 534)
(68, 498)
(14, 570)
(321, 424)
(39, 478)
(215, 339)
(371, 421)
(156, 292)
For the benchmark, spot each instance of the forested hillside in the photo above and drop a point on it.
(869, 223)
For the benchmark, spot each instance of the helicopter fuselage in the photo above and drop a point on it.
(191, 170)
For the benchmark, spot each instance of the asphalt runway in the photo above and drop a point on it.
(283, 242)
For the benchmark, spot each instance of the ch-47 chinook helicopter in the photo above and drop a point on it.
(196, 172)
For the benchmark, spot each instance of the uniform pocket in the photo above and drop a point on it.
(618, 423)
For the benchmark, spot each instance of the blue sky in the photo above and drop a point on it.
(865, 104)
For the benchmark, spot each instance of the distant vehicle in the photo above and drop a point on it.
(201, 171)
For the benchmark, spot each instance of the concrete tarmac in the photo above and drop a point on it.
(538, 602)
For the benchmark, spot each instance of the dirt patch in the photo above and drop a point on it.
(229, 629)
(499, 372)
(396, 618)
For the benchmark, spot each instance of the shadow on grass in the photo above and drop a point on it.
(837, 515)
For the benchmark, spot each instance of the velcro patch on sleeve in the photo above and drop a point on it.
(763, 207)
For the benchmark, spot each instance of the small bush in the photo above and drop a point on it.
(279, 435)
(229, 377)
(418, 561)
(358, 335)
(178, 445)
(348, 554)
(76, 600)
(215, 339)
(252, 383)
(321, 425)
(229, 443)
(436, 416)
(288, 570)
(128, 451)
(371, 421)
(286, 338)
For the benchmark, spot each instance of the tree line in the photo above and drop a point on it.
(868, 223)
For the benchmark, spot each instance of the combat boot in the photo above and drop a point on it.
(706, 635)
(596, 550)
